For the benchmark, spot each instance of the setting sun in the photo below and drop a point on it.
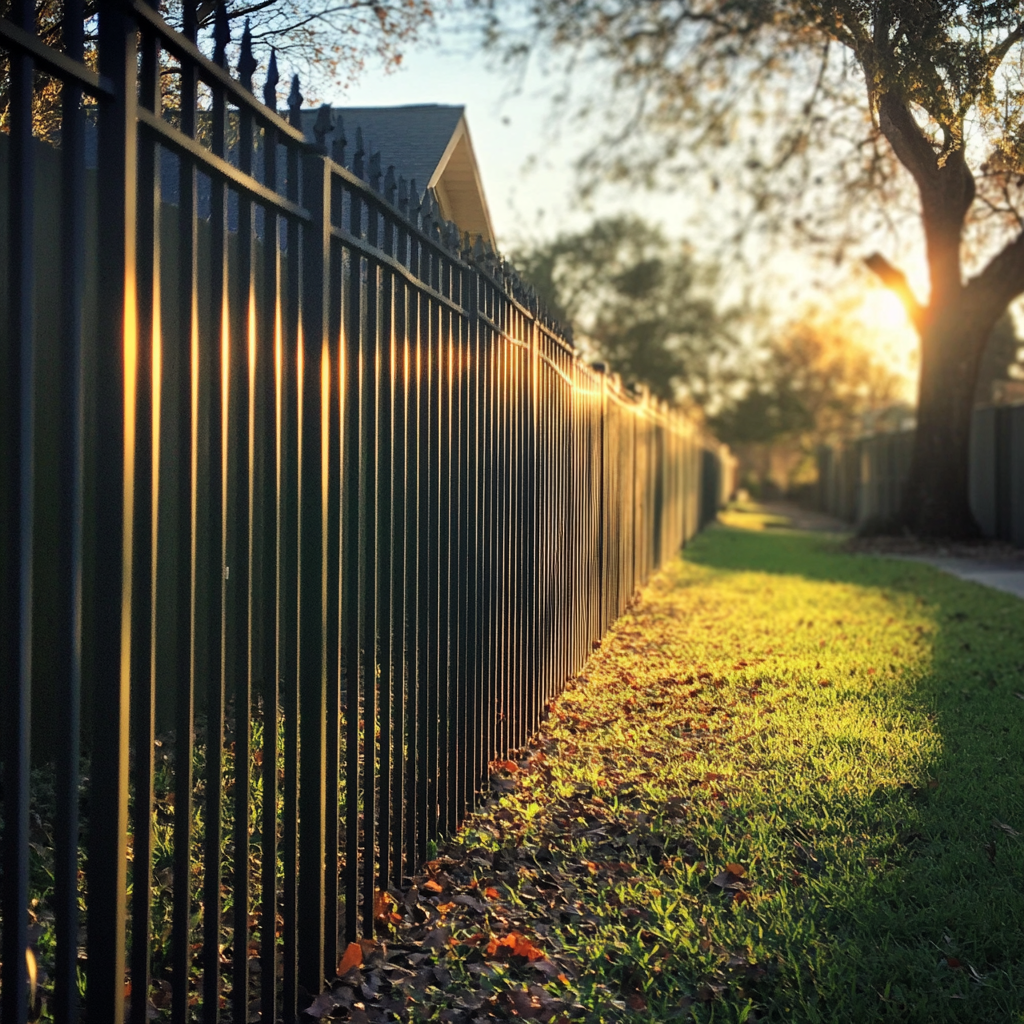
(881, 309)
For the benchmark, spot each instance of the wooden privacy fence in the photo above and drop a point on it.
(864, 479)
(332, 511)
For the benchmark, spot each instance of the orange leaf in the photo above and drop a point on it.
(507, 766)
(382, 904)
(431, 886)
(953, 963)
(491, 893)
(353, 957)
(736, 869)
(444, 908)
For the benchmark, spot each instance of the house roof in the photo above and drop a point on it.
(428, 143)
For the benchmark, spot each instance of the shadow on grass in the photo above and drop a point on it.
(940, 935)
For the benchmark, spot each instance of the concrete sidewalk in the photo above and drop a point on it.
(1006, 576)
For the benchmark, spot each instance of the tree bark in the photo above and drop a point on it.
(936, 503)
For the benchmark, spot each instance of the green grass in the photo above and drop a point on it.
(844, 728)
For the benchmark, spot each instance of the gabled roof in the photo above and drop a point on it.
(428, 143)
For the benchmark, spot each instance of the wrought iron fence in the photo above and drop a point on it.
(332, 511)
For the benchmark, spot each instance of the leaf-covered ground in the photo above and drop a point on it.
(787, 787)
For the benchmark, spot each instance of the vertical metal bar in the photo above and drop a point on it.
(147, 482)
(369, 389)
(68, 710)
(186, 387)
(426, 601)
(312, 666)
(115, 489)
(219, 496)
(18, 411)
(386, 360)
(334, 423)
(244, 359)
(413, 603)
(269, 434)
(447, 710)
(288, 628)
(399, 571)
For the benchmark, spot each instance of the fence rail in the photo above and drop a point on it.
(304, 522)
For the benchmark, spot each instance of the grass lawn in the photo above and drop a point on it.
(788, 787)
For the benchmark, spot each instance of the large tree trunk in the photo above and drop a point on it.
(936, 503)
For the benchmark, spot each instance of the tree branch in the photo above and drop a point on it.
(896, 281)
(1003, 279)
(997, 53)
(909, 143)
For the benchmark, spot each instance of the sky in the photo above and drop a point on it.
(526, 154)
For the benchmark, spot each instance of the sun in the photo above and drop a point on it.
(882, 310)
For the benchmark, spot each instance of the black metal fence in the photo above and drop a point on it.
(308, 512)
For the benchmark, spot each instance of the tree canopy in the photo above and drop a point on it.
(813, 101)
(638, 302)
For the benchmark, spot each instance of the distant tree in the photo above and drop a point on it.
(815, 382)
(638, 302)
(813, 94)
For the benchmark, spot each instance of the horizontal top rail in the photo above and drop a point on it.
(372, 252)
(48, 59)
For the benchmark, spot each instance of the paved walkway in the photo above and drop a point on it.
(999, 573)
(1007, 576)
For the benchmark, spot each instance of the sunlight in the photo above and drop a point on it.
(881, 309)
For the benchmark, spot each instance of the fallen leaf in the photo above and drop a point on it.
(382, 904)
(636, 1002)
(736, 869)
(352, 957)
(431, 886)
(491, 893)
(953, 964)
(1002, 826)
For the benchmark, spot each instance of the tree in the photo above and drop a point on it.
(936, 88)
(636, 301)
(813, 383)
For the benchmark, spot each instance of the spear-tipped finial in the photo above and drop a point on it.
(415, 202)
(357, 156)
(295, 104)
(246, 61)
(270, 85)
(323, 126)
(189, 20)
(221, 34)
(403, 196)
(390, 184)
(339, 143)
(373, 173)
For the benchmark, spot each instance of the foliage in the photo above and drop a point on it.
(778, 792)
(816, 382)
(638, 302)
